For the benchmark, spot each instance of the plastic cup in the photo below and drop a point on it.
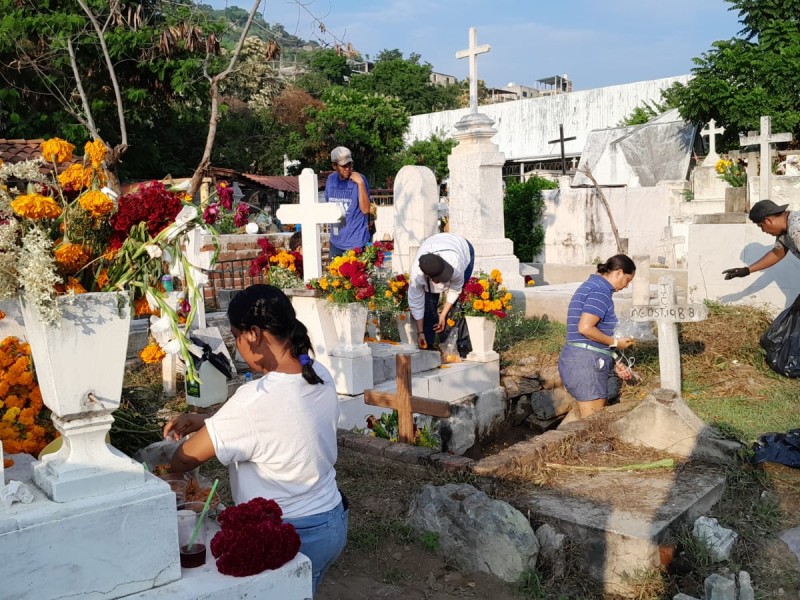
(194, 555)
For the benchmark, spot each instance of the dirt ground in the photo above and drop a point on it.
(383, 558)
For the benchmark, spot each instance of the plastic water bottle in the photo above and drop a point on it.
(248, 377)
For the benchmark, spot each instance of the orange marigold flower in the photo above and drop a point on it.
(95, 152)
(109, 254)
(102, 279)
(2, 314)
(75, 286)
(141, 308)
(36, 206)
(96, 203)
(57, 150)
(71, 257)
(152, 353)
(75, 177)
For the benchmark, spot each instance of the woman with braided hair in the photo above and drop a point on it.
(276, 433)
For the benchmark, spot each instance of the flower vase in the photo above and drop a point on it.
(80, 363)
(350, 321)
(406, 328)
(481, 336)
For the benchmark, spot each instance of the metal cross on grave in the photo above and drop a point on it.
(711, 130)
(404, 403)
(764, 140)
(310, 214)
(472, 52)
(562, 139)
(667, 314)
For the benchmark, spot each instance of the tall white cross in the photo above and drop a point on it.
(472, 53)
(310, 214)
(711, 130)
(764, 140)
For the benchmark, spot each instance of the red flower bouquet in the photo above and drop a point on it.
(253, 538)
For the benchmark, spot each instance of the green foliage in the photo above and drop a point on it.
(523, 208)
(432, 153)
(407, 80)
(739, 80)
(430, 541)
(642, 114)
(371, 125)
(386, 427)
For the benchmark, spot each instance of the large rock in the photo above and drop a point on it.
(480, 533)
(664, 421)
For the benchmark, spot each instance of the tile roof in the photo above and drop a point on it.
(281, 183)
(15, 151)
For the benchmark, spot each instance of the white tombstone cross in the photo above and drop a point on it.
(472, 53)
(310, 214)
(711, 130)
(667, 314)
(764, 139)
(199, 257)
(668, 243)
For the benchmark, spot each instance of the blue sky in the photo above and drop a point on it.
(597, 43)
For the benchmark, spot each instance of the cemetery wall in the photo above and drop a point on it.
(525, 126)
(784, 189)
(578, 231)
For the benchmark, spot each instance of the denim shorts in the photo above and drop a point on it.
(586, 374)
(322, 539)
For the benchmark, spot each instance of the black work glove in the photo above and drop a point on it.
(739, 272)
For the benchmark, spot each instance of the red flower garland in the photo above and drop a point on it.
(253, 538)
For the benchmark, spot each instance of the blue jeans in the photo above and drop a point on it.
(322, 539)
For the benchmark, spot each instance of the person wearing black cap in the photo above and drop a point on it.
(349, 188)
(442, 264)
(774, 220)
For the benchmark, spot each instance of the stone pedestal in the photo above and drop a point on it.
(476, 198)
(352, 374)
(707, 185)
(102, 547)
(736, 200)
(312, 312)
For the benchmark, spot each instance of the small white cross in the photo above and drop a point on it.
(472, 52)
(764, 140)
(711, 130)
(310, 214)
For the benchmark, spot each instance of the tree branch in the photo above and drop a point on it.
(81, 92)
(123, 132)
(586, 171)
(205, 161)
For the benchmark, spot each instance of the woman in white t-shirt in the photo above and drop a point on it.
(277, 433)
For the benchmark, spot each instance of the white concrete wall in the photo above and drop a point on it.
(578, 231)
(714, 248)
(525, 126)
(784, 189)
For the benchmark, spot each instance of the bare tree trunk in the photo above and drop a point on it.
(205, 161)
(586, 171)
(79, 84)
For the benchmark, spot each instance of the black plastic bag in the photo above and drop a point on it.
(217, 359)
(781, 448)
(782, 342)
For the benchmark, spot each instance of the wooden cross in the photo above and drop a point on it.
(310, 213)
(667, 314)
(711, 130)
(404, 403)
(668, 243)
(562, 139)
(764, 140)
(472, 53)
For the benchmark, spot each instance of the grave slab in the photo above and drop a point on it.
(620, 535)
(383, 360)
(100, 547)
(290, 582)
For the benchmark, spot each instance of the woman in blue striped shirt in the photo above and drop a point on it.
(586, 361)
